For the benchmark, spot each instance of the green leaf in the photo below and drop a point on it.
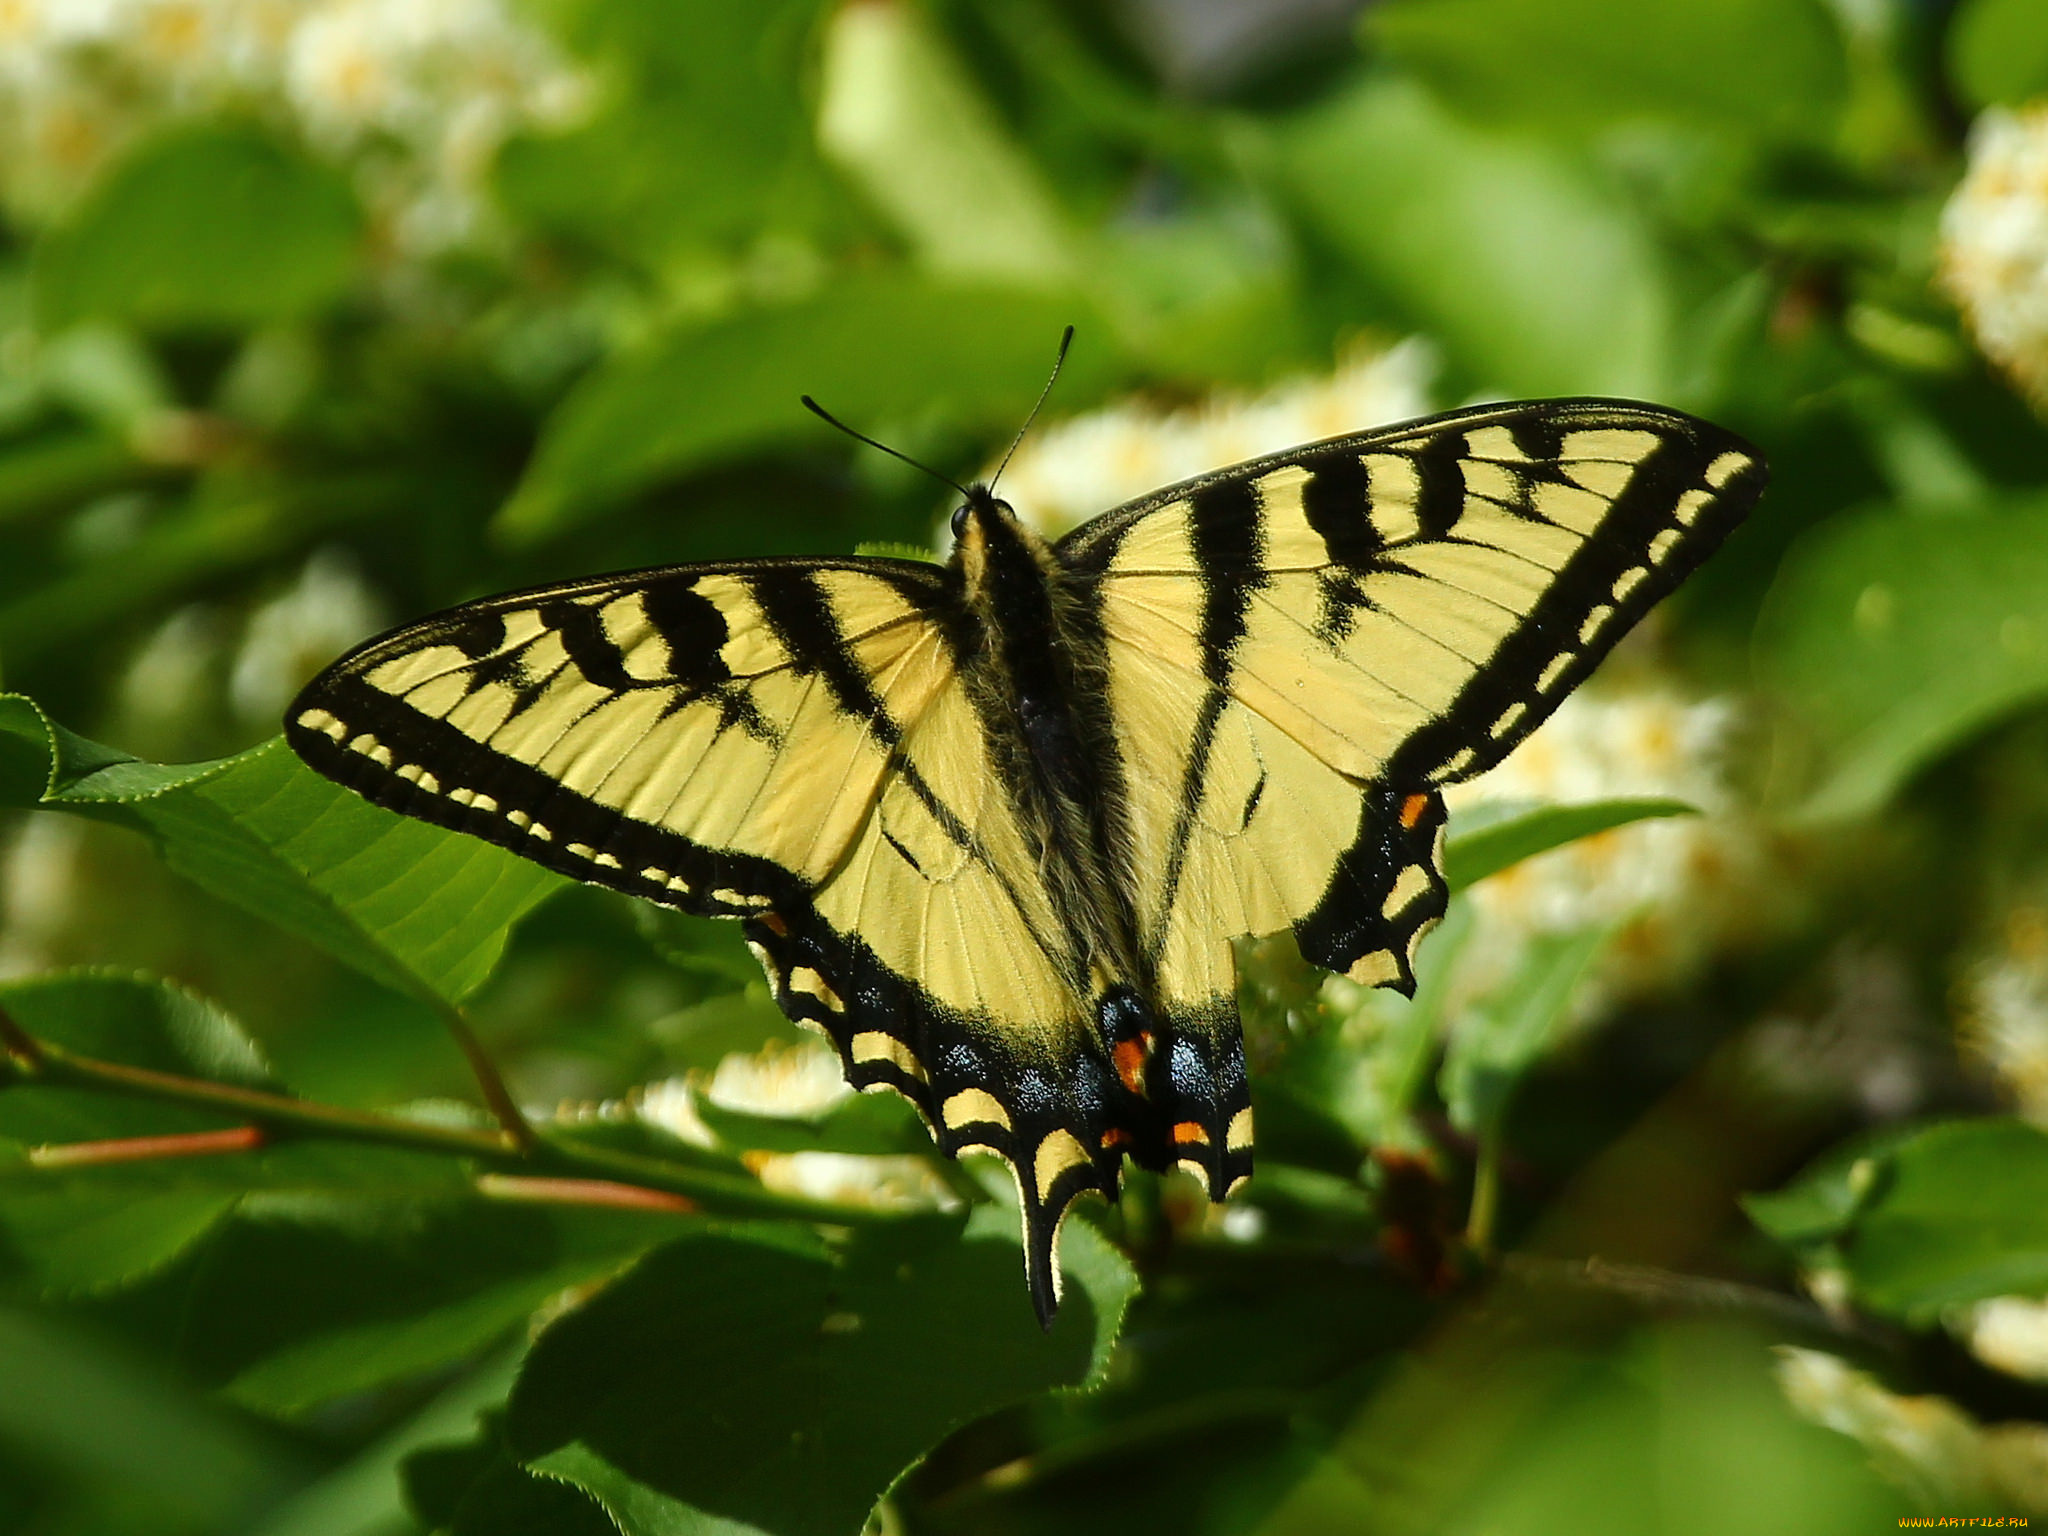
(71, 1229)
(361, 1497)
(477, 1489)
(734, 1383)
(313, 1297)
(870, 1124)
(213, 225)
(1487, 839)
(74, 1403)
(1760, 68)
(874, 350)
(904, 120)
(717, 87)
(1821, 1204)
(419, 909)
(1535, 278)
(704, 1034)
(897, 549)
(1487, 1057)
(1951, 1213)
(1364, 1069)
(138, 1022)
(1998, 51)
(1531, 1428)
(1889, 640)
(69, 1234)
(83, 1229)
(332, 1268)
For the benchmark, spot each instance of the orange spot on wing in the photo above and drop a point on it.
(1116, 1136)
(1189, 1133)
(773, 922)
(1412, 809)
(1130, 1062)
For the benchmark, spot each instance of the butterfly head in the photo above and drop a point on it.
(992, 548)
(981, 504)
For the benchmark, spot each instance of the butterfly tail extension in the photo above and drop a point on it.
(1385, 894)
(1045, 1113)
(1052, 1132)
(1050, 1177)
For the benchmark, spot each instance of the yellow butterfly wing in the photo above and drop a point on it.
(1292, 656)
(787, 742)
(1300, 650)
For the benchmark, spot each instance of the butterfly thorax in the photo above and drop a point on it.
(1033, 686)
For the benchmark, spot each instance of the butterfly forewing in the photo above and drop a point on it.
(676, 734)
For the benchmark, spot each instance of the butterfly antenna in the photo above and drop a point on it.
(1066, 341)
(826, 416)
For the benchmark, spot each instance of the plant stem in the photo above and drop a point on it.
(497, 1097)
(18, 1043)
(1650, 1286)
(736, 1194)
(1485, 1196)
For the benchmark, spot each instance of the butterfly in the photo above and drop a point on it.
(993, 825)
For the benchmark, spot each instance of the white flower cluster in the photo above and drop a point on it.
(2009, 1334)
(2002, 1003)
(799, 1081)
(1994, 243)
(415, 96)
(2004, 1008)
(796, 1082)
(1674, 889)
(288, 639)
(1070, 471)
(178, 672)
(1928, 1446)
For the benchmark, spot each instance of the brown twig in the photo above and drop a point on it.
(510, 1186)
(142, 1149)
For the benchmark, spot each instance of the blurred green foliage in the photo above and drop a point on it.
(370, 329)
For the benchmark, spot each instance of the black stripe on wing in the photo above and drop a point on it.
(1686, 493)
(395, 755)
(1664, 524)
(1386, 892)
(1227, 532)
(411, 763)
